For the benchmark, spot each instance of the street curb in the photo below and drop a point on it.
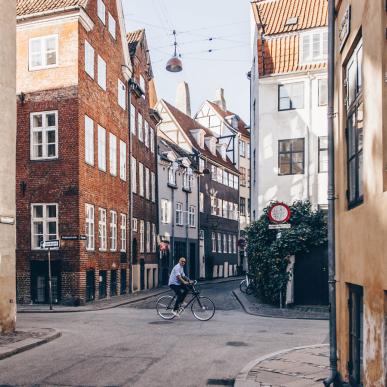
(241, 379)
(268, 315)
(141, 297)
(22, 348)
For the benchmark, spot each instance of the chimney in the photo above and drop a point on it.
(220, 100)
(183, 100)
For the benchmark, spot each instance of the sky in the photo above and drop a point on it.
(222, 26)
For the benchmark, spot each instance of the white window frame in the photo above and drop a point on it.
(134, 224)
(102, 231)
(133, 121)
(43, 53)
(101, 11)
(121, 94)
(146, 133)
(134, 174)
(148, 237)
(234, 249)
(90, 227)
(191, 216)
(123, 160)
(44, 129)
(201, 201)
(123, 232)
(165, 211)
(89, 59)
(153, 238)
(113, 230)
(229, 243)
(102, 73)
(310, 56)
(147, 179)
(225, 209)
(141, 179)
(172, 174)
(213, 239)
(179, 214)
(220, 247)
(101, 148)
(153, 186)
(152, 140)
(225, 244)
(45, 220)
(140, 130)
(113, 154)
(89, 140)
(142, 241)
(112, 25)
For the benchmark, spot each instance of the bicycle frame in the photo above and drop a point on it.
(195, 296)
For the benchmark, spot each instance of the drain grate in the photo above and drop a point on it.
(220, 382)
(236, 344)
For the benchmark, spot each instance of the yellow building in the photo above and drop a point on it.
(360, 130)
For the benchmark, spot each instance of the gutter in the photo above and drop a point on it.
(50, 12)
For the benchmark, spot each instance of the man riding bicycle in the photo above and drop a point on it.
(179, 282)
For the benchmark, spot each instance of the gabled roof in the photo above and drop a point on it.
(242, 127)
(29, 7)
(273, 15)
(187, 124)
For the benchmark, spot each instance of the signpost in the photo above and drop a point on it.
(49, 245)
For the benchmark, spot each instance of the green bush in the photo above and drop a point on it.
(268, 255)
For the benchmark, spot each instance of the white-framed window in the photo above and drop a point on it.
(112, 25)
(230, 244)
(214, 173)
(187, 179)
(44, 135)
(113, 154)
(179, 214)
(322, 92)
(313, 46)
(121, 92)
(234, 250)
(231, 180)
(89, 140)
(220, 243)
(153, 186)
(236, 211)
(146, 134)
(123, 232)
(219, 175)
(225, 178)
(172, 173)
(101, 10)
(89, 59)
(148, 237)
(102, 232)
(44, 223)
(142, 236)
(90, 231)
(219, 209)
(213, 205)
(141, 179)
(291, 96)
(153, 238)
(132, 119)
(101, 73)
(201, 201)
(230, 213)
(242, 148)
(140, 129)
(152, 140)
(225, 243)
(213, 239)
(134, 224)
(122, 160)
(101, 148)
(165, 211)
(191, 216)
(236, 182)
(113, 230)
(43, 52)
(134, 174)
(147, 190)
(225, 209)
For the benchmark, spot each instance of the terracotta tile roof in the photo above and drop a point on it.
(187, 124)
(242, 127)
(29, 7)
(273, 15)
(133, 39)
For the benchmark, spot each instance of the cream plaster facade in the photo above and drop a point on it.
(7, 166)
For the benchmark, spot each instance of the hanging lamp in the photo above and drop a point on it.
(174, 65)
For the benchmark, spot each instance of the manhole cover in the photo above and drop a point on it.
(236, 344)
(160, 322)
(220, 382)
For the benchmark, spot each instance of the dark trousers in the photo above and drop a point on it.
(181, 292)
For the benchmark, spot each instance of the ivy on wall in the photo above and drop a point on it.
(268, 254)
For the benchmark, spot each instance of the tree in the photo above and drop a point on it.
(268, 254)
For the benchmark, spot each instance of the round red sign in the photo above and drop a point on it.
(279, 213)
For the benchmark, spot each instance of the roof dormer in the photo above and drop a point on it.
(221, 148)
(233, 120)
(198, 135)
(211, 144)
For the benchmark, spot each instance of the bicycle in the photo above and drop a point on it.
(202, 307)
(248, 284)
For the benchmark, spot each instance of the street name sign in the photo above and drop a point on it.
(49, 244)
(69, 237)
(279, 226)
(82, 237)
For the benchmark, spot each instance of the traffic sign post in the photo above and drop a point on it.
(49, 245)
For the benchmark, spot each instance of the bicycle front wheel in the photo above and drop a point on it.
(243, 286)
(165, 306)
(203, 308)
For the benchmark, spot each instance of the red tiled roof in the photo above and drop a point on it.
(135, 36)
(273, 15)
(187, 124)
(242, 127)
(29, 7)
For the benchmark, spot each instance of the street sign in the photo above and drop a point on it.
(82, 237)
(49, 244)
(279, 226)
(279, 213)
(69, 237)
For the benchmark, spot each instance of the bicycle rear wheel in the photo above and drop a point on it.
(250, 289)
(165, 306)
(243, 286)
(203, 308)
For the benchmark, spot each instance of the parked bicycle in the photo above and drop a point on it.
(248, 285)
(202, 307)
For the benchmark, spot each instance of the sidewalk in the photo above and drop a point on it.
(19, 341)
(295, 367)
(109, 303)
(252, 306)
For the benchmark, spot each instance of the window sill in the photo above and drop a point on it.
(174, 186)
(355, 203)
(189, 190)
(45, 159)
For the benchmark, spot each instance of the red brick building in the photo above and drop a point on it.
(143, 121)
(72, 149)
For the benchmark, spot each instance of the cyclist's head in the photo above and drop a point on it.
(182, 261)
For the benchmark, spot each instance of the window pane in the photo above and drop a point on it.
(37, 121)
(51, 211)
(38, 228)
(351, 79)
(316, 46)
(305, 48)
(297, 95)
(360, 127)
(52, 228)
(322, 92)
(298, 145)
(359, 67)
(51, 150)
(284, 146)
(323, 166)
(360, 172)
(351, 136)
(284, 167)
(51, 136)
(38, 212)
(50, 119)
(284, 103)
(352, 180)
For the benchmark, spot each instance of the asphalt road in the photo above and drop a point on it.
(132, 346)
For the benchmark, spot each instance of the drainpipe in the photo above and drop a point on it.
(172, 247)
(334, 377)
(130, 189)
